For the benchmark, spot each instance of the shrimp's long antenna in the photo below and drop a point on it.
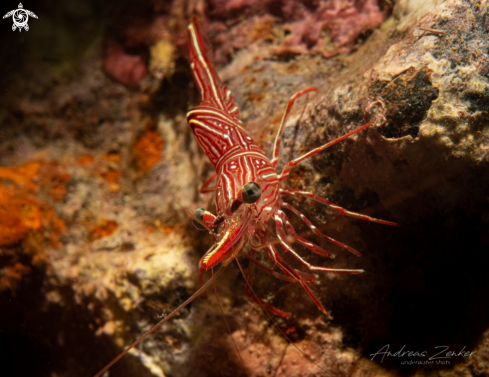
(169, 316)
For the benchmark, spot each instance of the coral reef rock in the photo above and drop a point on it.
(99, 170)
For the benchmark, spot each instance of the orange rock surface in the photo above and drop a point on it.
(106, 228)
(147, 150)
(20, 210)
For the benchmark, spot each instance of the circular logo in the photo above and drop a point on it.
(20, 17)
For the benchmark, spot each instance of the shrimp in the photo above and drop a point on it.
(249, 199)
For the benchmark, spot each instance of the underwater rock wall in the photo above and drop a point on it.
(98, 168)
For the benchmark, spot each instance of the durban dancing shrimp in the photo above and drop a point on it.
(247, 193)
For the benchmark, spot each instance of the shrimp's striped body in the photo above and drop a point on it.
(242, 166)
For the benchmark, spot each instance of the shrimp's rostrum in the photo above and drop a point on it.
(247, 191)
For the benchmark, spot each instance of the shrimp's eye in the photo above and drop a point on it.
(199, 215)
(251, 192)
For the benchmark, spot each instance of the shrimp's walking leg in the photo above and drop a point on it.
(273, 309)
(251, 293)
(335, 207)
(205, 187)
(289, 165)
(296, 238)
(276, 145)
(269, 270)
(285, 245)
(286, 268)
(307, 277)
(290, 275)
(316, 231)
